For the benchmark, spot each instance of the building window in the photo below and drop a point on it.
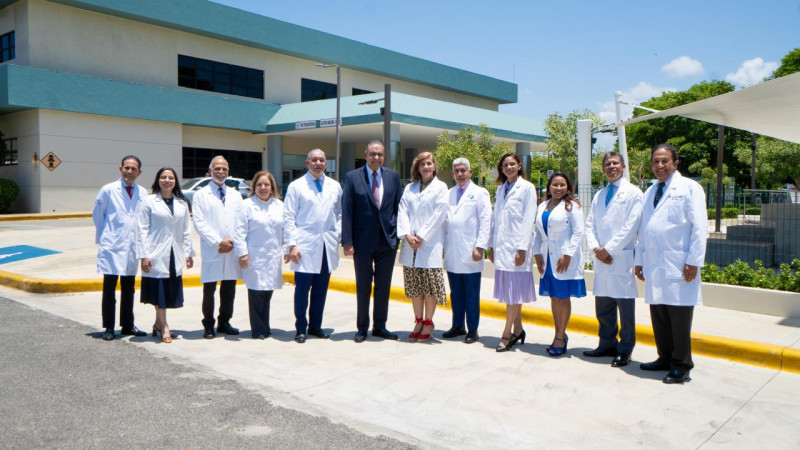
(357, 91)
(316, 90)
(220, 77)
(242, 164)
(11, 154)
(7, 47)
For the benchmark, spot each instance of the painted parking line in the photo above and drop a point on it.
(20, 252)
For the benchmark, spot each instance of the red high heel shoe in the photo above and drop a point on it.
(413, 336)
(426, 336)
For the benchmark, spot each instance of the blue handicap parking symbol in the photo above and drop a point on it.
(20, 252)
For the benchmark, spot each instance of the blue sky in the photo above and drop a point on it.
(567, 55)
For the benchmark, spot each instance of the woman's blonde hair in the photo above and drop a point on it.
(415, 175)
(275, 191)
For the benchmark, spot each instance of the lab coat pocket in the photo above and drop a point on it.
(675, 209)
(623, 263)
(673, 265)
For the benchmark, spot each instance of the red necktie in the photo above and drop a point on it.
(376, 194)
(130, 191)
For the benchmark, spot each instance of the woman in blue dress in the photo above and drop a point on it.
(559, 232)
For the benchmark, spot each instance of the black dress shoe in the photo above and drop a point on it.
(134, 332)
(472, 337)
(300, 337)
(320, 333)
(600, 352)
(384, 333)
(676, 376)
(108, 335)
(621, 360)
(360, 337)
(260, 336)
(209, 333)
(227, 328)
(454, 332)
(654, 366)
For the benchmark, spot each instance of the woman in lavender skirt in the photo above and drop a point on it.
(512, 233)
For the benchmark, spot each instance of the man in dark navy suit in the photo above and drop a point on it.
(370, 201)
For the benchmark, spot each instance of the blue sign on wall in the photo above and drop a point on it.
(20, 252)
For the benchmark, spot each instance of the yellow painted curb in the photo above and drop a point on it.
(44, 216)
(757, 354)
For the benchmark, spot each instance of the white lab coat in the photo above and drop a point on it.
(160, 232)
(115, 223)
(469, 223)
(614, 227)
(512, 225)
(214, 222)
(423, 215)
(565, 231)
(670, 236)
(313, 220)
(259, 234)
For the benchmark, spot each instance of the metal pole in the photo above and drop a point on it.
(720, 147)
(338, 119)
(753, 162)
(622, 138)
(387, 123)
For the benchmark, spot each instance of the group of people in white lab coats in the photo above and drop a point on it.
(442, 230)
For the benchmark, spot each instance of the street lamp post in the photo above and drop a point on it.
(338, 111)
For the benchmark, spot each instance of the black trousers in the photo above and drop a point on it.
(672, 328)
(606, 310)
(258, 302)
(376, 266)
(227, 291)
(109, 302)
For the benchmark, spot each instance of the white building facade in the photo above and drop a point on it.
(176, 82)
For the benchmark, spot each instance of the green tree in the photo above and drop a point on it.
(476, 145)
(777, 162)
(639, 166)
(789, 64)
(562, 138)
(695, 140)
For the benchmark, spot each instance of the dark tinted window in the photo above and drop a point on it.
(357, 91)
(7, 47)
(316, 90)
(242, 164)
(220, 77)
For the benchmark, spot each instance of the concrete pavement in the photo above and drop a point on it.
(448, 394)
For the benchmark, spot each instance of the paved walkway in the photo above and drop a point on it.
(445, 393)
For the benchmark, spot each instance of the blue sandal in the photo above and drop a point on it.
(558, 351)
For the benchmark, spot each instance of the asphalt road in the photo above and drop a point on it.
(63, 387)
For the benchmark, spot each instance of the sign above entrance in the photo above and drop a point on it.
(50, 161)
(305, 125)
(324, 123)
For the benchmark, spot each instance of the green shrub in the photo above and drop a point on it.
(752, 210)
(741, 274)
(8, 193)
(729, 212)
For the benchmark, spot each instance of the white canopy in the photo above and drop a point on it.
(771, 108)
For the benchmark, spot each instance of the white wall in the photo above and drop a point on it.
(91, 147)
(73, 40)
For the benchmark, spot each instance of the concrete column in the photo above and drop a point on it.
(275, 158)
(347, 158)
(393, 150)
(523, 150)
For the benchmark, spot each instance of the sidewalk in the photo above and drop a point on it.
(757, 339)
(445, 394)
